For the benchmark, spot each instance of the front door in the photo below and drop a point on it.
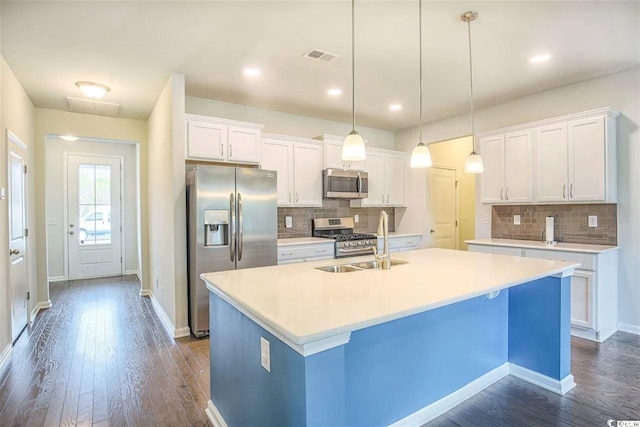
(443, 207)
(94, 226)
(17, 194)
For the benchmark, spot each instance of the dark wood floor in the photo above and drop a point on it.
(100, 356)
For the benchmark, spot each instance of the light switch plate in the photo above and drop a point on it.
(288, 221)
(485, 219)
(516, 220)
(356, 218)
(593, 220)
(52, 220)
(265, 354)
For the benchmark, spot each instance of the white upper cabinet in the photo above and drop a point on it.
(387, 179)
(508, 168)
(298, 162)
(568, 159)
(221, 140)
(333, 154)
(278, 156)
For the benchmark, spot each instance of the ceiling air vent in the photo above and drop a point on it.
(320, 55)
(88, 106)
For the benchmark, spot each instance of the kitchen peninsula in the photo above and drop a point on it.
(382, 347)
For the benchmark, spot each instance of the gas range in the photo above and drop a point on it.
(347, 243)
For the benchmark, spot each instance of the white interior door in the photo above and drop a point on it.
(443, 207)
(94, 223)
(17, 198)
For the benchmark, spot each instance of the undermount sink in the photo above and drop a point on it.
(357, 266)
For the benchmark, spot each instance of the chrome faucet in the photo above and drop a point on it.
(383, 259)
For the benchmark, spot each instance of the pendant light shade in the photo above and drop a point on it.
(473, 164)
(353, 147)
(420, 156)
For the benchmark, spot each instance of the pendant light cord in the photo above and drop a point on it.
(420, 47)
(353, 62)
(473, 137)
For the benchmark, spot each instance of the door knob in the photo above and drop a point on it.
(71, 225)
(71, 232)
(13, 252)
(432, 231)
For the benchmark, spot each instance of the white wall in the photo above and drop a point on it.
(620, 91)
(286, 123)
(167, 203)
(57, 233)
(17, 115)
(48, 122)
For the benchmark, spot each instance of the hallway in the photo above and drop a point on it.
(100, 356)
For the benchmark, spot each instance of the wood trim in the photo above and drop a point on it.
(57, 279)
(4, 356)
(221, 121)
(164, 318)
(629, 328)
(214, 415)
(560, 387)
(42, 305)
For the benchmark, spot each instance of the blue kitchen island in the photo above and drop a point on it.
(297, 346)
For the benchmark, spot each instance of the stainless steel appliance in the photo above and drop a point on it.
(345, 184)
(347, 243)
(232, 223)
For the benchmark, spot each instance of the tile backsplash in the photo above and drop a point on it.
(571, 224)
(331, 208)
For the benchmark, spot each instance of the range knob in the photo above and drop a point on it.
(347, 243)
(360, 243)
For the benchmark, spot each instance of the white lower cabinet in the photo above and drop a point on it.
(401, 243)
(594, 286)
(289, 254)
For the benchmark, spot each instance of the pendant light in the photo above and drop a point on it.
(353, 146)
(473, 164)
(420, 156)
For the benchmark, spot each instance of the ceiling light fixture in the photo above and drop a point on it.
(395, 107)
(334, 92)
(69, 137)
(540, 58)
(473, 164)
(420, 156)
(93, 90)
(353, 147)
(251, 72)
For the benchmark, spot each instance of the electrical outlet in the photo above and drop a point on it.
(593, 220)
(485, 219)
(516, 220)
(157, 284)
(52, 220)
(288, 221)
(265, 354)
(356, 218)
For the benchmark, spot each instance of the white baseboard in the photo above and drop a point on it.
(166, 322)
(4, 356)
(631, 329)
(42, 305)
(136, 272)
(145, 292)
(57, 279)
(214, 415)
(443, 405)
(560, 387)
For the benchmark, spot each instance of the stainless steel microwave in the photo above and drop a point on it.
(345, 184)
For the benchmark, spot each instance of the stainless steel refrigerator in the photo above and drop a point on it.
(232, 224)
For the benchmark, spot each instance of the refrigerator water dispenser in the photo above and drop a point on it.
(216, 227)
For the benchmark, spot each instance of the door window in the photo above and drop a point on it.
(94, 203)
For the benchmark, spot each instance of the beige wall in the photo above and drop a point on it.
(167, 203)
(88, 126)
(17, 115)
(285, 123)
(620, 91)
(452, 154)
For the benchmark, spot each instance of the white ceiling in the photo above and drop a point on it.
(133, 46)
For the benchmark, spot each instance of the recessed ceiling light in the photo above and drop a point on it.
(69, 137)
(252, 72)
(334, 92)
(540, 58)
(93, 90)
(395, 107)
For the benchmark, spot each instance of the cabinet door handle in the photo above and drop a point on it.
(321, 251)
(230, 151)
(387, 198)
(571, 191)
(501, 193)
(222, 149)
(564, 193)
(506, 193)
(296, 197)
(289, 195)
(383, 198)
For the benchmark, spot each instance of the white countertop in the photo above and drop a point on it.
(393, 234)
(303, 306)
(303, 241)
(532, 244)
